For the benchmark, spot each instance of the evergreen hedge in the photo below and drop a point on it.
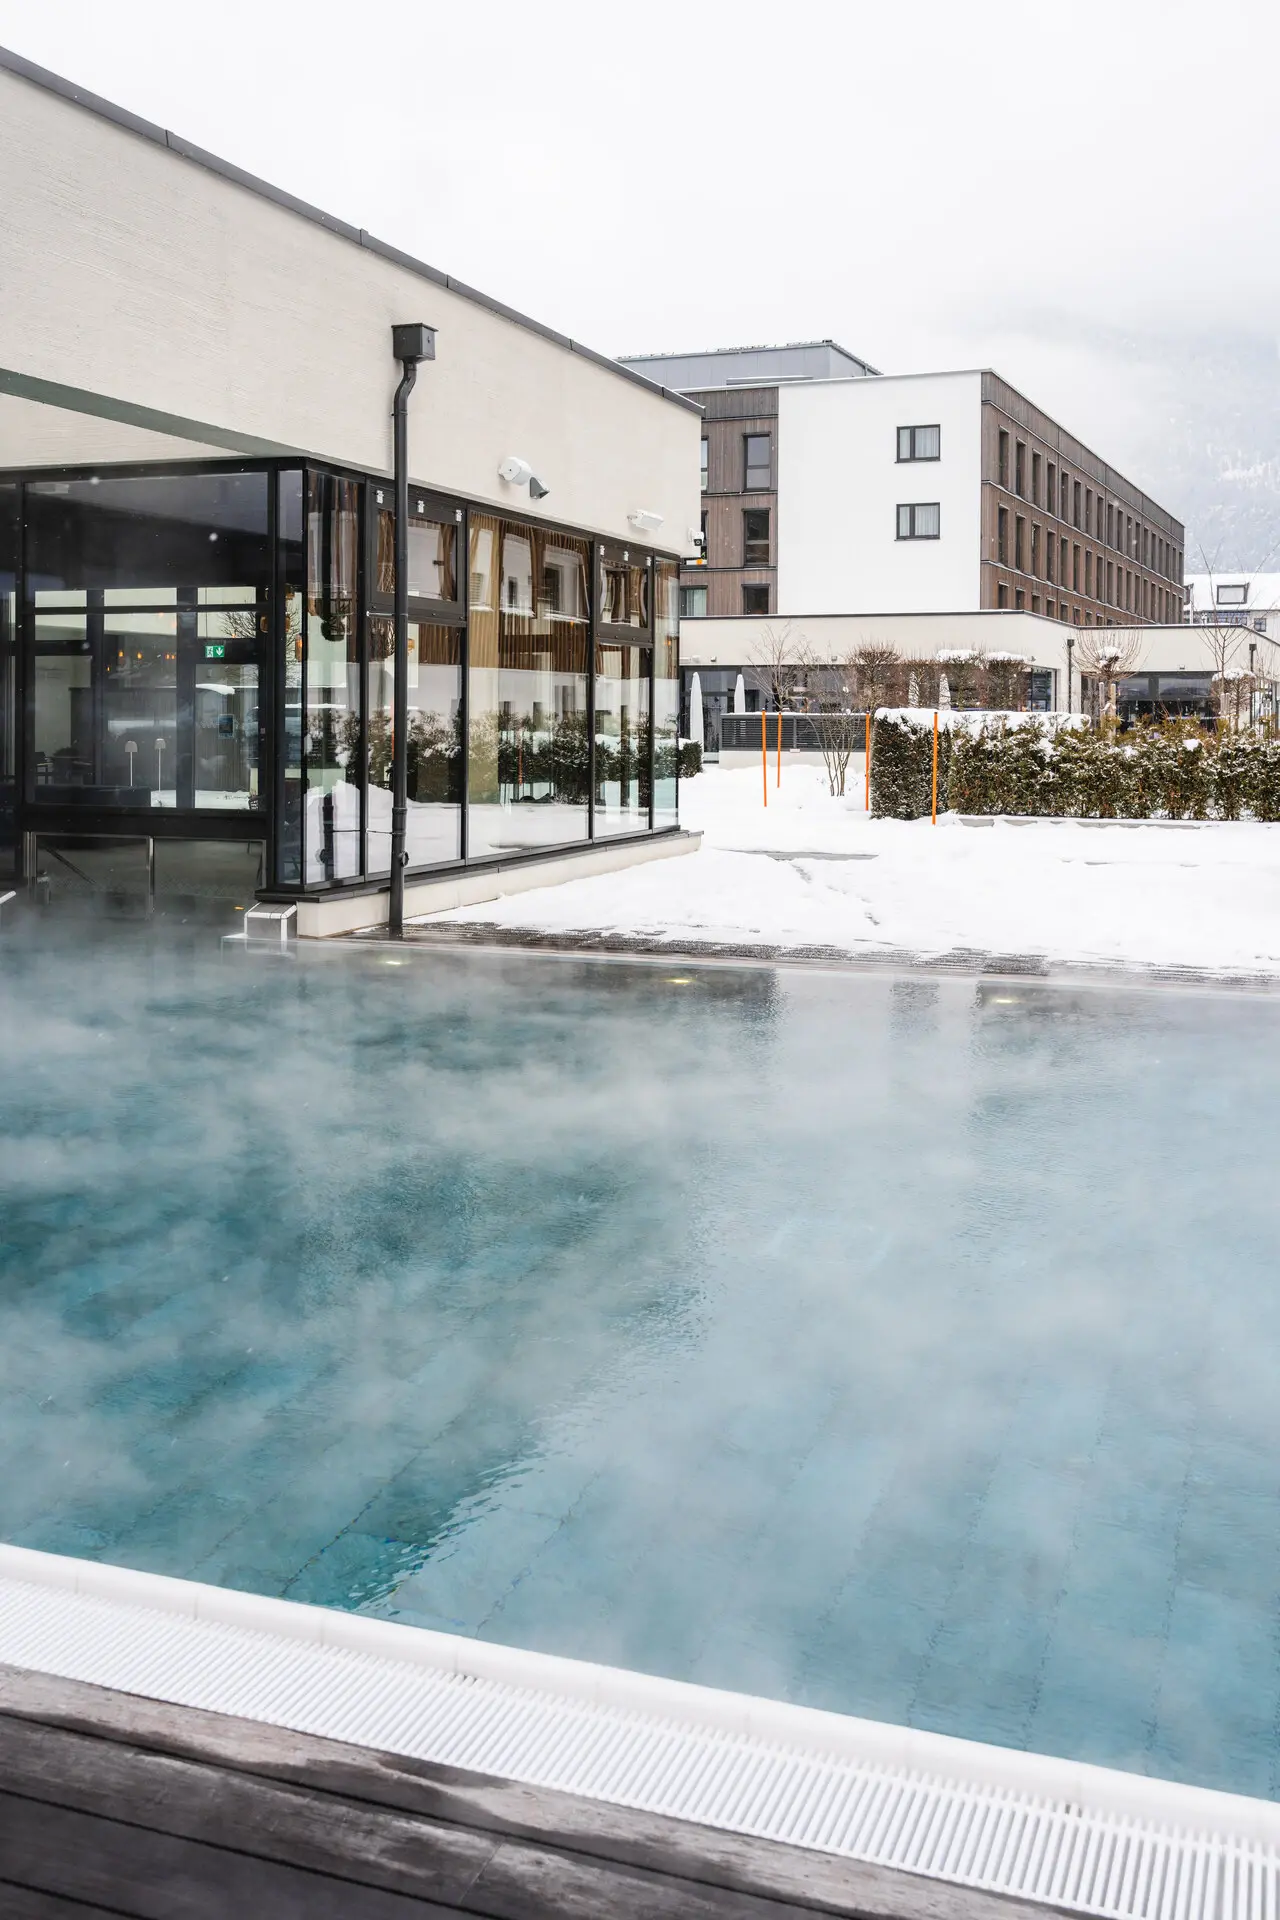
(902, 768)
(1172, 771)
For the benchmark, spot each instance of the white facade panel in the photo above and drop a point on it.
(720, 643)
(142, 276)
(840, 484)
(740, 642)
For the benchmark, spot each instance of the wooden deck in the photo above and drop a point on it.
(111, 1804)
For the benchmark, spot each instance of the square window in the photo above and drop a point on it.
(920, 520)
(757, 463)
(755, 599)
(755, 537)
(919, 443)
(693, 603)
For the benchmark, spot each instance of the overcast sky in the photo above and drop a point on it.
(1083, 196)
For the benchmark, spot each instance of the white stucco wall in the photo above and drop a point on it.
(733, 642)
(840, 483)
(740, 642)
(137, 274)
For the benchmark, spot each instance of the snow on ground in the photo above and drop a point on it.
(815, 872)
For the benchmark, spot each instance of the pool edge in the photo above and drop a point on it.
(553, 1721)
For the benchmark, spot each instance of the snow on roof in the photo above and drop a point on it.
(1262, 591)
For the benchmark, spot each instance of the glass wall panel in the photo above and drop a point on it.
(138, 738)
(666, 693)
(151, 600)
(624, 589)
(433, 550)
(293, 570)
(331, 725)
(623, 739)
(434, 765)
(157, 531)
(8, 666)
(528, 648)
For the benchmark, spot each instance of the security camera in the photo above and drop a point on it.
(515, 470)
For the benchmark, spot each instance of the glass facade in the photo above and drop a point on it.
(331, 756)
(148, 609)
(666, 694)
(529, 630)
(210, 654)
(8, 670)
(623, 738)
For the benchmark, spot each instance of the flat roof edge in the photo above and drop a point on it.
(24, 69)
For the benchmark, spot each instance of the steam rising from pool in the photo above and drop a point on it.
(903, 1347)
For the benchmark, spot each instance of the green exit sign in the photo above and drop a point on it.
(218, 652)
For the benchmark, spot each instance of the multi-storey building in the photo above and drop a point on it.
(829, 488)
(855, 506)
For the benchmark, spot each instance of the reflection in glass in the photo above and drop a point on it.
(293, 568)
(63, 719)
(622, 739)
(434, 753)
(8, 659)
(666, 693)
(433, 551)
(148, 532)
(527, 635)
(624, 590)
(152, 604)
(139, 742)
(331, 725)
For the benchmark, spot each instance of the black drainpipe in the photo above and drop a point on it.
(410, 344)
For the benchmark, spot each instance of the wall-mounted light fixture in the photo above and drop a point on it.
(644, 520)
(518, 473)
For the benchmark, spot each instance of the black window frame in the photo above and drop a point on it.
(758, 587)
(911, 457)
(380, 497)
(748, 486)
(748, 540)
(912, 508)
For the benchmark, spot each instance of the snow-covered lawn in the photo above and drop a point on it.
(815, 873)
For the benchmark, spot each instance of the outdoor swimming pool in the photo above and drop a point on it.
(897, 1346)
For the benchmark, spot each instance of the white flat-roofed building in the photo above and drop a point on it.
(197, 533)
(833, 493)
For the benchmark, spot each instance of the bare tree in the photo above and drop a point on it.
(838, 730)
(872, 665)
(1108, 654)
(777, 658)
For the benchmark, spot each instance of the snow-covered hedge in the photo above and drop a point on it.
(1173, 772)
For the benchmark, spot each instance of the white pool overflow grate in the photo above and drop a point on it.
(1050, 1830)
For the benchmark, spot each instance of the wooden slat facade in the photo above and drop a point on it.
(730, 415)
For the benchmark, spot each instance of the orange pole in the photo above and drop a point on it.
(764, 754)
(867, 756)
(935, 769)
(778, 778)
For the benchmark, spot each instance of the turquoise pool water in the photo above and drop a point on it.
(901, 1347)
